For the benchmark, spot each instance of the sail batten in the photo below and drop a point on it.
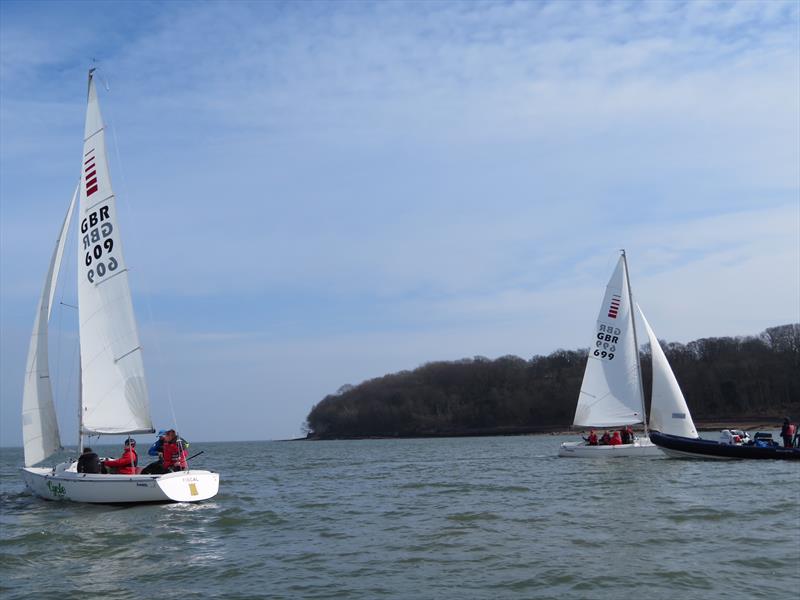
(610, 392)
(114, 389)
(40, 433)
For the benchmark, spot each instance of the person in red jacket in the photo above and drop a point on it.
(592, 439)
(173, 453)
(125, 464)
(616, 439)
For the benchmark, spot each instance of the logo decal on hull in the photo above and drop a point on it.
(57, 490)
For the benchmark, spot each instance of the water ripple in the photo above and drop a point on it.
(450, 518)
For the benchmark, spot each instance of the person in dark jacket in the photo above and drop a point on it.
(125, 464)
(627, 435)
(787, 433)
(89, 462)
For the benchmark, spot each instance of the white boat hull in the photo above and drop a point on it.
(641, 447)
(68, 485)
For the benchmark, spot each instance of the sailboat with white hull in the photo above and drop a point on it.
(611, 393)
(113, 397)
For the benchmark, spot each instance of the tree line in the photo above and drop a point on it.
(727, 378)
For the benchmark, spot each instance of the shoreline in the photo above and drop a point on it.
(755, 424)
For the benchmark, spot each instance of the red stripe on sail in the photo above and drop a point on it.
(91, 191)
(613, 310)
(88, 159)
(89, 168)
(90, 176)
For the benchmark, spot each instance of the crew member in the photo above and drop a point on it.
(787, 433)
(89, 462)
(592, 439)
(127, 463)
(173, 453)
(155, 448)
(627, 435)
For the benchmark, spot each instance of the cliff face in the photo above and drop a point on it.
(721, 378)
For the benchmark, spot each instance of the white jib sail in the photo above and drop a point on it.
(610, 393)
(39, 424)
(668, 411)
(114, 392)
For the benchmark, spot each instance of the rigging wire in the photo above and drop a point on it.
(110, 124)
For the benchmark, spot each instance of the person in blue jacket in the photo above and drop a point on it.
(155, 450)
(156, 447)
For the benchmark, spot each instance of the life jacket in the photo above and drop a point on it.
(173, 456)
(616, 439)
(593, 439)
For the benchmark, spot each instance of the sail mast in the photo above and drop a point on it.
(80, 361)
(80, 403)
(635, 341)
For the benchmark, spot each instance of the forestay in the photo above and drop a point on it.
(611, 392)
(668, 410)
(114, 393)
(39, 424)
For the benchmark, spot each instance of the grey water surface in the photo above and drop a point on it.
(493, 517)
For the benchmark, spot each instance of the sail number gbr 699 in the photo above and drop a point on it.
(98, 244)
(606, 342)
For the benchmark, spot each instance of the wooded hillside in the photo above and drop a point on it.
(722, 378)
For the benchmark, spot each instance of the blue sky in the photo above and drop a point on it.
(314, 194)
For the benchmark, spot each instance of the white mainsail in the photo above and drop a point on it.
(611, 391)
(668, 410)
(39, 424)
(114, 390)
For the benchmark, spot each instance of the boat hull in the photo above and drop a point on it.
(65, 485)
(681, 447)
(641, 447)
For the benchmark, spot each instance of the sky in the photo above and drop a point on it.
(313, 194)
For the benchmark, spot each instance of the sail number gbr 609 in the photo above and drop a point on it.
(98, 244)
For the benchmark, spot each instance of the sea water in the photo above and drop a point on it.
(493, 517)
